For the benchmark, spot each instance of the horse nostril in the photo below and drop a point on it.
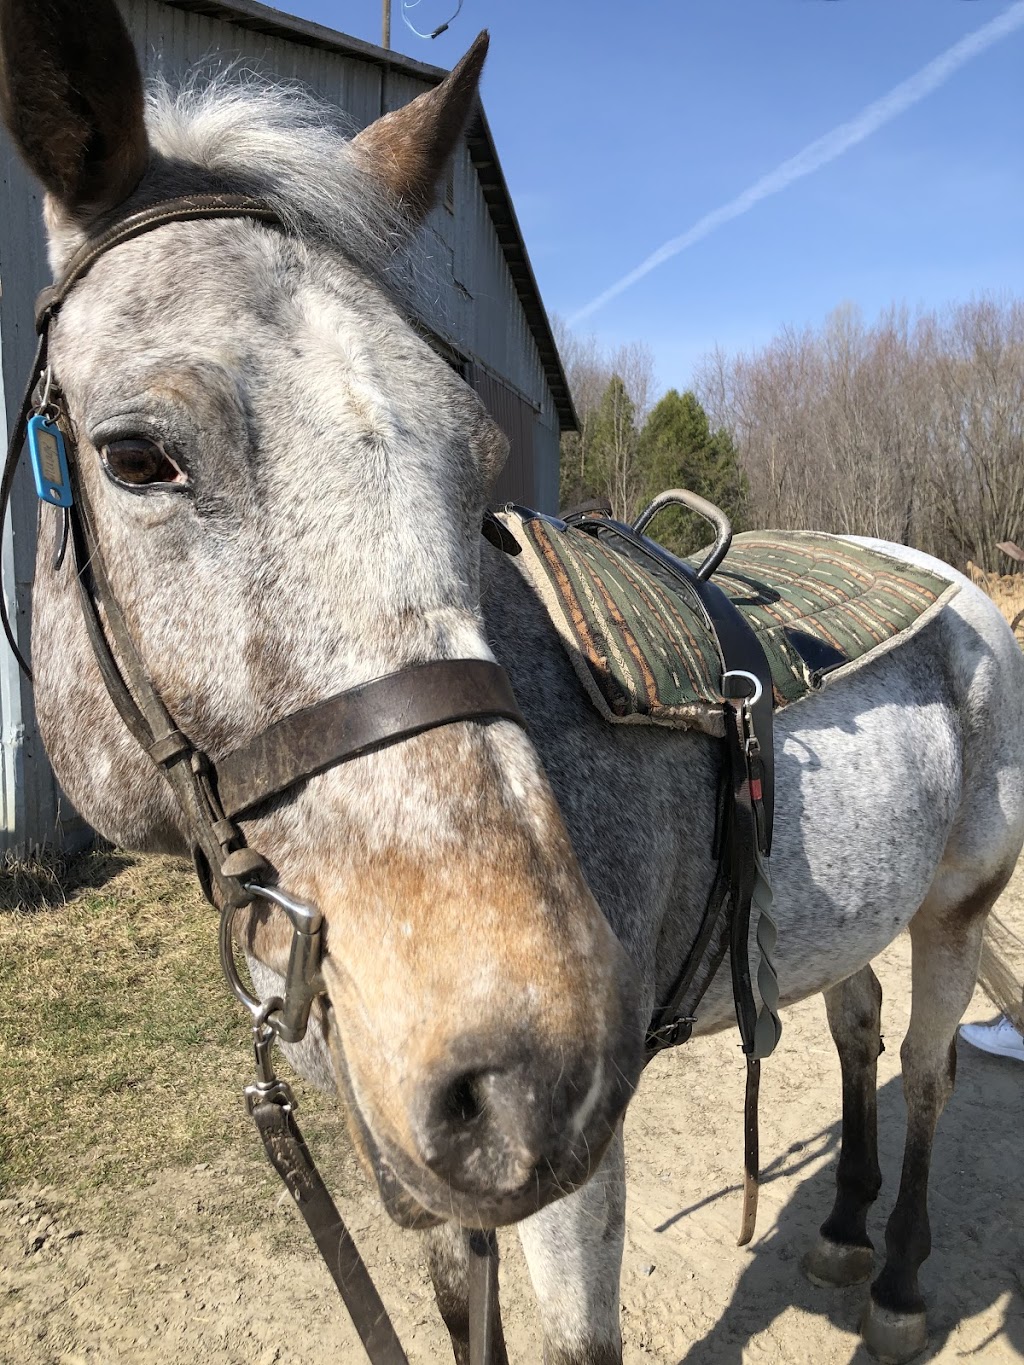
(463, 1101)
(485, 1122)
(475, 1127)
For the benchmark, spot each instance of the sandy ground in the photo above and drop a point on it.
(212, 1264)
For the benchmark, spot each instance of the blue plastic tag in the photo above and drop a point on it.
(49, 462)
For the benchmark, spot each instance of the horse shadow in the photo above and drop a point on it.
(977, 1217)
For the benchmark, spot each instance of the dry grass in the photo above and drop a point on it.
(1005, 590)
(34, 883)
(120, 1047)
(122, 1052)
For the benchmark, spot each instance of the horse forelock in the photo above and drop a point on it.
(236, 130)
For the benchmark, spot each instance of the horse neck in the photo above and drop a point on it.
(639, 801)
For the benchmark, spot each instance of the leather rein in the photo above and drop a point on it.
(212, 794)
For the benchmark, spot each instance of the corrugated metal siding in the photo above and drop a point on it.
(547, 450)
(499, 334)
(171, 41)
(31, 798)
(517, 418)
(467, 296)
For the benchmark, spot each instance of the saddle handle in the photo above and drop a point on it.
(682, 497)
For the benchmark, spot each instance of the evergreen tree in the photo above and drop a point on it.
(679, 450)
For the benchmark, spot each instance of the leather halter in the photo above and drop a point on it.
(212, 794)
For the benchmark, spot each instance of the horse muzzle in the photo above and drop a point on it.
(494, 1133)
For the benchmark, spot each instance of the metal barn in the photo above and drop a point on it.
(488, 321)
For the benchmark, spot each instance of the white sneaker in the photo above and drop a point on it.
(1000, 1038)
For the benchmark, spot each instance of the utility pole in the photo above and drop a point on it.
(386, 43)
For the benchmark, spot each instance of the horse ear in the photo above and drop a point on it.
(409, 148)
(71, 97)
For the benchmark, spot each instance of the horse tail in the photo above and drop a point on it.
(999, 975)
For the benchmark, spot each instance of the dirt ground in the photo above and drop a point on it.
(211, 1263)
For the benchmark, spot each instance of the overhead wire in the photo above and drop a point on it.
(408, 5)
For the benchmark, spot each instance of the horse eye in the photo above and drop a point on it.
(139, 462)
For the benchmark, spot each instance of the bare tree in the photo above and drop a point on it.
(602, 457)
(634, 364)
(588, 372)
(911, 429)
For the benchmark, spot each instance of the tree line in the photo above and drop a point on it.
(629, 449)
(910, 429)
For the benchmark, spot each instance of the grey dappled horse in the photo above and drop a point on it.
(288, 485)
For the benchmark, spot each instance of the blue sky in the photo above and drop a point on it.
(620, 125)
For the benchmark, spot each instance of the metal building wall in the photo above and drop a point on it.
(481, 317)
(34, 811)
(476, 310)
(517, 418)
(172, 40)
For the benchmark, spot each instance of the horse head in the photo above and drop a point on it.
(287, 485)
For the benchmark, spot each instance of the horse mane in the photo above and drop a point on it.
(243, 131)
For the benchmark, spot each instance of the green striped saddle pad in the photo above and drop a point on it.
(821, 606)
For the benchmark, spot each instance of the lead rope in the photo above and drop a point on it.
(484, 1339)
(272, 1107)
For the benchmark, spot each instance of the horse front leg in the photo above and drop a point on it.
(574, 1252)
(448, 1259)
(946, 945)
(844, 1254)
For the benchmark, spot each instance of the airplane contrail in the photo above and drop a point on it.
(825, 149)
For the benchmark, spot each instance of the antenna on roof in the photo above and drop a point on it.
(408, 5)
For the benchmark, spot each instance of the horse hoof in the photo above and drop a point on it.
(833, 1266)
(893, 1337)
